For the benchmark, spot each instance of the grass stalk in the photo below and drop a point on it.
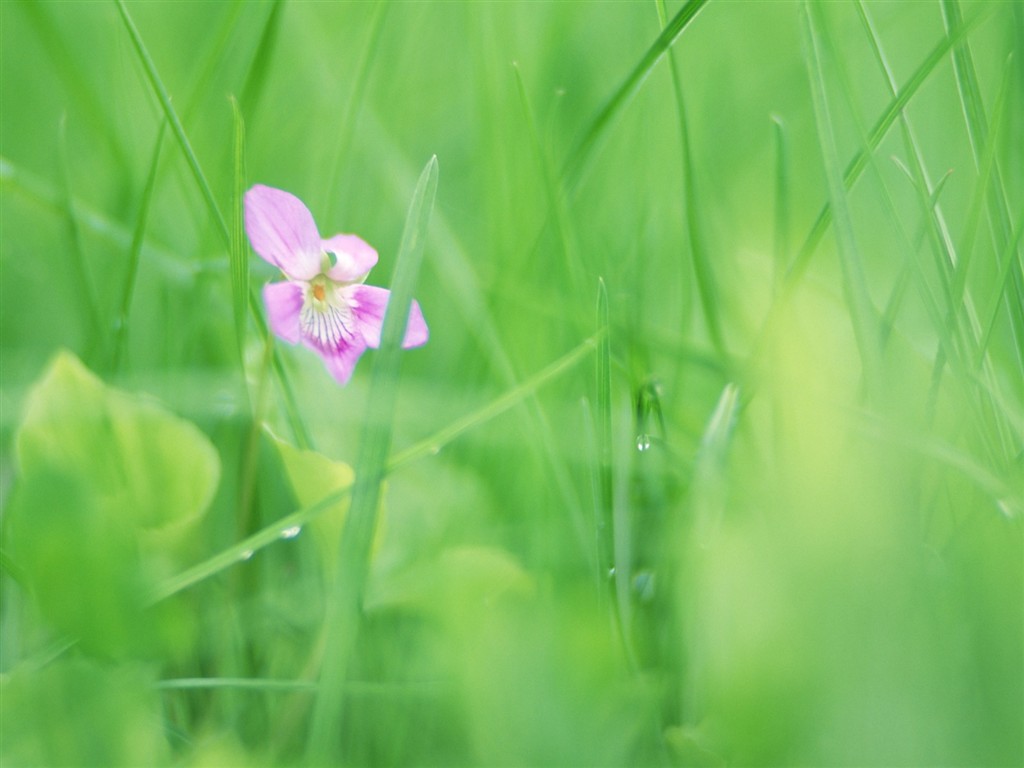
(345, 601)
(135, 253)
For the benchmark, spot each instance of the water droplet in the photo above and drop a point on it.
(611, 572)
(247, 555)
(643, 586)
(435, 449)
(643, 442)
(291, 533)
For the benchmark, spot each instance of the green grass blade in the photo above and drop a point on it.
(555, 194)
(354, 102)
(76, 85)
(213, 61)
(238, 256)
(878, 131)
(605, 503)
(135, 253)
(863, 314)
(575, 166)
(85, 293)
(344, 604)
(703, 268)
(782, 214)
(256, 78)
(172, 118)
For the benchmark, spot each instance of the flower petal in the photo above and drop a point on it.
(369, 303)
(282, 231)
(342, 361)
(354, 258)
(284, 306)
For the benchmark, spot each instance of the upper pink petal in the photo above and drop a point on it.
(282, 231)
(369, 304)
(284, 308)
(354, 258)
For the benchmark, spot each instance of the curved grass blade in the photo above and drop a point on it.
(703, 268)
(85, 293)
(238, 260)
(256, 78)
(345, 601)
(605, 506)
(863, 314)
(355, 100)
(575, 166)
(135, 253)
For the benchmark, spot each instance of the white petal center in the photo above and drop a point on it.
(326, 318)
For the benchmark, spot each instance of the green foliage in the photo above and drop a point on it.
(766, 508)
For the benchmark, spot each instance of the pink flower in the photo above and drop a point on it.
(322, 303)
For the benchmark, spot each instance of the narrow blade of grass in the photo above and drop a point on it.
(863, 314)
(703, 268)
(354, 102)
(238, 257)
(782, 214)
(85, 293)
(575, 166)
(256, 78)
(344, 604)
(135, 253)
(605, 501)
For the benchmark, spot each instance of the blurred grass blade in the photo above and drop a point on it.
(860, 159)
(260, 65)
(135, 253)
(213, 61)
(863, 314)
(86, 294)
(238, 257)
(345, 601)
(711, 299)
(605, 501)
(354, 102)
(575, 166)
(708, 496)
(172, 117)
(782, 214)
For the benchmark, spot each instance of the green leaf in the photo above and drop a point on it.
(148, 468)
(109, 485)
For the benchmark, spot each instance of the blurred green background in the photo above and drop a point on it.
(768, 512)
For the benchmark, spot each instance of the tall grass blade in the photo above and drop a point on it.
(172, 118)
(863, 314)
(575, 166)
(781, 239)
(344, 604)
(703, 266)
(135, 253)
(238, 257)
(85, 292)
(354, 102)
(606, 498)
(256, 78)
